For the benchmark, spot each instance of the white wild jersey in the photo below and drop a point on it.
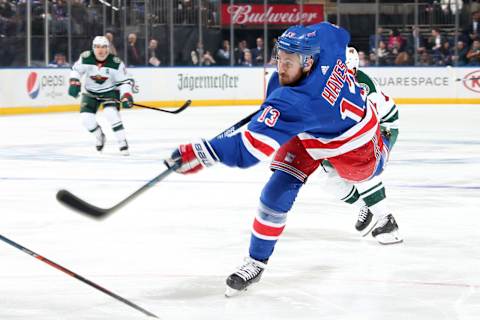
(385, 105)
(101, 77)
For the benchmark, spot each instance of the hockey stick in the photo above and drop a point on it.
(467, 79)
(75, 203)
(183, 107)
(76, 276)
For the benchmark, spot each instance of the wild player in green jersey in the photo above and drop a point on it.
(370, 195)
(107, 82)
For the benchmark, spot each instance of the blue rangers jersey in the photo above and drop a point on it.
(326, 110)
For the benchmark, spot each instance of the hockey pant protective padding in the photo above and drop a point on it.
(336, 186)
(113, 117)
(276, 200)
(89, 121)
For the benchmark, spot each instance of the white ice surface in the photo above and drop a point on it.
(171, 249)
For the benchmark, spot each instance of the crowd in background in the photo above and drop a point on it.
(434, 46)
(390, 47)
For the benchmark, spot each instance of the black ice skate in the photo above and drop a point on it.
(100, 142)
(124, 148)
(365, 222)
(386, 231)
(246, 275)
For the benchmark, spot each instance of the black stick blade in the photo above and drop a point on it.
(75, 203)
(185, 106)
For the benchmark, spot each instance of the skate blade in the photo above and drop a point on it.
(124, 153)
(230, 292)
(369, 228)
(389, 238)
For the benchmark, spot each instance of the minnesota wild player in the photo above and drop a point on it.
(370, 195)
(107, 83)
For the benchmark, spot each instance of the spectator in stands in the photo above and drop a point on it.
(59, 61)
(443, 57)
(134, 56)
(473, 54)
(153, 53)
(258, 52)
(111, 41)
(415, 42)
(425, 59)
(247, 58)
(383, 55)
(374, 39)
(473, 30)
(197, 55)
(461, 58)
(201, 57)
(223, 54)
(435, 40)
(402, 59)
(461, 36)
(362, 57)
(239, 52)
(208, 59)
(372, 58)
(396, 43)
(396, 46)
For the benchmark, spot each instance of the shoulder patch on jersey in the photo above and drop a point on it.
(87, 57)
(366, 82)
(112, 62)
(86, 54)
(365, 87)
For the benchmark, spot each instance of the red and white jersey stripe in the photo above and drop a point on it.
(353, 138)
(259, 145)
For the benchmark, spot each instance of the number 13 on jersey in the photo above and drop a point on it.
(269, 116)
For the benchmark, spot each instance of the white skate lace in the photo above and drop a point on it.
(362, 216)
(250, 269)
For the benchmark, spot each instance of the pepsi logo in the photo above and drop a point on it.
(33, 85)
(472, 81)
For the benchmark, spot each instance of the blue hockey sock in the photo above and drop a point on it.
(276, 200)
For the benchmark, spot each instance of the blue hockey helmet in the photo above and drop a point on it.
(299, 39)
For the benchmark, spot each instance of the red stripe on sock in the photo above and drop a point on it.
(265, 230)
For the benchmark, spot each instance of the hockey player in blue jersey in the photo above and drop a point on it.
(317, 108)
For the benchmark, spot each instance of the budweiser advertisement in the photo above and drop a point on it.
(288, 14)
